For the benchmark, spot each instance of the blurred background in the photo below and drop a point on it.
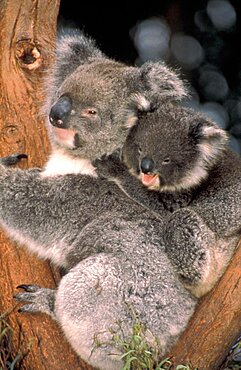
(201, 38)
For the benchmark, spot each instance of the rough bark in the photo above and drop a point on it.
(215, 325)
(27, 34)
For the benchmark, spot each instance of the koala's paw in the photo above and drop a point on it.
(110, 166)
(39, 299)
(172, 201)
(12, 159)
(190, 245)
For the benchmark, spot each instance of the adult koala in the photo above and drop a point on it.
(111, 247)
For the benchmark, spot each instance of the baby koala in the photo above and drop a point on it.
(181, 162)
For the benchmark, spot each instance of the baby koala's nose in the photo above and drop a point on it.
(60, 111)
(147, 165)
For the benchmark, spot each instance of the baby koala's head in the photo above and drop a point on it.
(173, 148)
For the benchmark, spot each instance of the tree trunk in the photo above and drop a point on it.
(215, 325)
(27, 36)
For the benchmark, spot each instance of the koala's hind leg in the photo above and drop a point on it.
(88, 305)
(38, 299)
(90, 309)
(190, 245)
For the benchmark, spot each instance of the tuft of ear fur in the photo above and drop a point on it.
(155, 84)
(73, 49)
(162, 82)
(211, 141)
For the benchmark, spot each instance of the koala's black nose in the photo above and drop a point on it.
(60, 111)
(147, 165)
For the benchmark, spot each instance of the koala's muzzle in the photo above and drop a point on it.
(147, 165)
(147, 176)
(60, 112)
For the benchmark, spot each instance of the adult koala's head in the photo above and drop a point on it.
(93, 99)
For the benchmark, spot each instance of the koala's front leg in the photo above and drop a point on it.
(113, 169)
(39, 299)
(190, 245)
(110, 166)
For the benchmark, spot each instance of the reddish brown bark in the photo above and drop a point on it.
(215, 325)
(27, 35)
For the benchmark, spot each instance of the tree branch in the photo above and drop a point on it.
(215, 325)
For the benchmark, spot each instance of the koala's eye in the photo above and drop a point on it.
(139, 150)
(91, 111)
(166, 160)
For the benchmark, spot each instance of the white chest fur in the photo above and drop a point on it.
(61, 164)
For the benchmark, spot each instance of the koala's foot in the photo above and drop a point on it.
(39, 299)
(12, 159)
(190, 245)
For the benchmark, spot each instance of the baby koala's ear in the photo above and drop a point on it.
(161, 82)
(210, 139)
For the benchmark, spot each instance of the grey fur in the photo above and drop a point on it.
(198, 179)
(112, 248)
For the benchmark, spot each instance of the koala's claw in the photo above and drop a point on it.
(27, 308)
(38, 299)
(29, 288)
(13, 159)
(29, 296)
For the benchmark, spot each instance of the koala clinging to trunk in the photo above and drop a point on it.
(111, 248)
(185, 159)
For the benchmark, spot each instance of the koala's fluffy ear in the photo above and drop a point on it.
(161, 82)
(155, 84)
(73, 49)
(210, 138)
